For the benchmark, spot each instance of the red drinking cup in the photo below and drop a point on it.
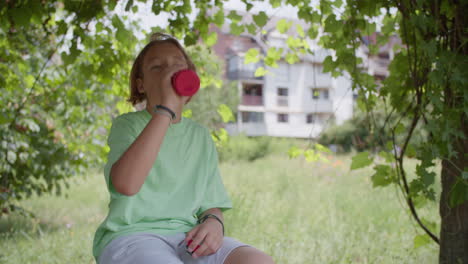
(185, 82)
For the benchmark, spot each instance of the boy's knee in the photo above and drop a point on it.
(248, 255)
(263, 259)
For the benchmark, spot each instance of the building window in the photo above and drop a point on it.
(252, 89)
(282, 91)
(282, 96)
(379, 77)
(310, 118)
(325, 94)
(384, 55)
(320, 93)
(233, 64)
(252, 117)
(283, 118)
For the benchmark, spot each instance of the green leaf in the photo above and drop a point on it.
(300, 30)
(458, 194)
(236, 29)
(112, 5)
(294, 152)
(322, 148)
(410, 151)
(63, 27)
(311, 156)
(283, 25)
(211, 39)
(275, 3)
(337, 3)
(421, 240)
(21, 15)
(99, 26)
(294, 42)
(400, 128)
(251, 56)
(128, 5)
(273, 55)
(361, 160)
(4, 119)
(291, 58)
(328, 64)
(325, 7)
(332, 25)
(252, 29)
(427, 178)
(260, 71)
(187, 113)
(190, 39)
(220, 137)
(419, 201)
(248, 5)
(383, 176)
(388, 156)
(431, 225)
(226, 114)
(260, 19)
(234, 16)
(370, 28)
(218, 18)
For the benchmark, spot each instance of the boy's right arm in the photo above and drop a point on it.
(129, 172)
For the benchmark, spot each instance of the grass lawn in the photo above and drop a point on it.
(298, 212)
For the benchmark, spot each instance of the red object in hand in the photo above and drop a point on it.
(185, 82)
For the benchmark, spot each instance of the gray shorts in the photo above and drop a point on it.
(145, 248)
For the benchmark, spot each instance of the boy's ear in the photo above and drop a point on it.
(139, 83)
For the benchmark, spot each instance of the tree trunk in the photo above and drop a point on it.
(454, 221)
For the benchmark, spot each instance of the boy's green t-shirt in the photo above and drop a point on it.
(183, 182)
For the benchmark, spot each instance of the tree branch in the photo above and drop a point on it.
(402, 172)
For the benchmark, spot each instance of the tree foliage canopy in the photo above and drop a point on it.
(63, 62)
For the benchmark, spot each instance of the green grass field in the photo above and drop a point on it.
(298, 212)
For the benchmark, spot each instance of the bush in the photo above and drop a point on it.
(363, 132)
(245, 148)
(359, 133)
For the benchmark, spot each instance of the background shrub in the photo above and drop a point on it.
(245, 148)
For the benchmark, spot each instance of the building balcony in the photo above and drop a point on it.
(252, 100)
(243, 75)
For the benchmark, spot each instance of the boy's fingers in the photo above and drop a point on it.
(208, 247)
(200, 251)
(197, 240)
(189, 236)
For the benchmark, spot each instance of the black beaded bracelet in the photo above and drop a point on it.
(162, 107)
(203, 219)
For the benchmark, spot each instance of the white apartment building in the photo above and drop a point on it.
(294, 100)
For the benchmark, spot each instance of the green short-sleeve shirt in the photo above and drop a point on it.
(183, 182)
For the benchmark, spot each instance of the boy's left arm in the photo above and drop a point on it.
(207, 237)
